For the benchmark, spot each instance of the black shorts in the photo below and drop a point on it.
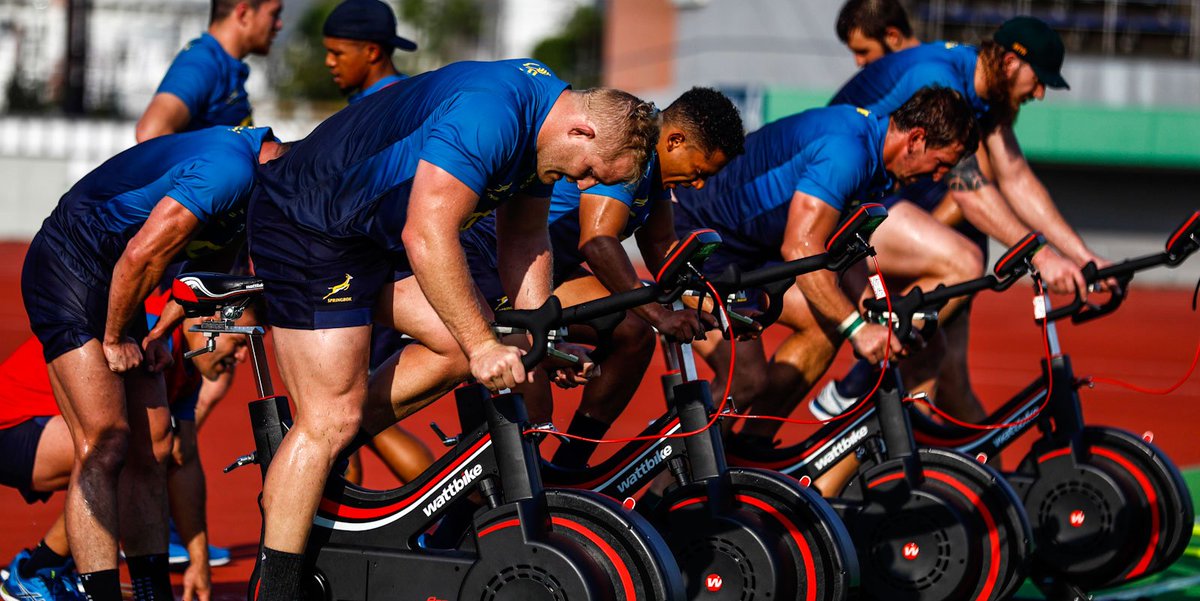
(65, 310)
(312, 281)
(18, 446)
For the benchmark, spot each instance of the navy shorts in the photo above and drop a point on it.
(65, 310)
(313, 281)
(18, 446)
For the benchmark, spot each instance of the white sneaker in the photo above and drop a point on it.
(830, 403)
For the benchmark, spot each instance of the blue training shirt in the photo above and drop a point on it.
(834, 154)
(211, 83)
(210, 172)
(564, 229)
(375, 87)
(889, 82)
(478, 121)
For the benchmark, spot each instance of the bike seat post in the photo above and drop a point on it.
(258, 358)
(893, 417)
(516, 459)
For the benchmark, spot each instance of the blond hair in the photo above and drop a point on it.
(628, 124)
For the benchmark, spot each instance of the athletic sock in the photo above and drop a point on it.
(151, 581)
(858, 381)
(104, 585)
(279, 575)
(41, 557)
(576, 453)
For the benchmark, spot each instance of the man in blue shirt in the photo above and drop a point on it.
(783, 198)
(873, 29)
(379, 192)
(1017, 66)
(86, 276)
(206, 84)
(701, 131)
(360, 36)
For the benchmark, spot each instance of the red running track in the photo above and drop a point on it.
(1150, 341)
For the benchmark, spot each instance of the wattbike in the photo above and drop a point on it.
(1106, 506)
(525, 543)
(928, 524)
(737, 533)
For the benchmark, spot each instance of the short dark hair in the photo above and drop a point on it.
(945, 116)
(710, 119)
(223, 8)
(872, 17)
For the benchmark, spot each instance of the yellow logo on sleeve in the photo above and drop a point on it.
(534, 69)
(344, 286)
(864, 112)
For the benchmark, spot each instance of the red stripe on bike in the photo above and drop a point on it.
(1151, 498)
(810, 568)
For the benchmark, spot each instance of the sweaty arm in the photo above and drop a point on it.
(1029, 198)
(438, 205)
(141, 266)
(810, 220)
(523, 250)
(601, 221)
(167, 114)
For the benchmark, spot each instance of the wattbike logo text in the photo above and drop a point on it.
(453, 488)
(1023, 421)
(842, 446)
(644, 468)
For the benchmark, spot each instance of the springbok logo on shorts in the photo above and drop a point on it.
(713, 582)
(1076, 518)
(344, 286)
(911, 551)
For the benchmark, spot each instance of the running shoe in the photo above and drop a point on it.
(177, 554)
(47, 584)
(830, 403)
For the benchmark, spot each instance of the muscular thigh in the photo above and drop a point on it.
(403, 307)
(91, 396)
(911, 244)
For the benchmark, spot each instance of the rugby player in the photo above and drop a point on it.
(206, 83)
(360, 36)
(783, 198)
(36, 441)
(873, 29)
(700, 133)
(378, 193)
(86, 276)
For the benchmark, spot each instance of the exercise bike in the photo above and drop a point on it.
(525, 543)
(737, 533)
(1106, 506)
(929, 524)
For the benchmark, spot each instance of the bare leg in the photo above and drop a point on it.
(92, 400)
(55, 457)
(329, 390)
(749, 379)
(354, 471)
(402, 453)
(143, 483)
(955, 395)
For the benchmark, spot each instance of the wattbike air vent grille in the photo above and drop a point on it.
(523, 583)
(715, 552)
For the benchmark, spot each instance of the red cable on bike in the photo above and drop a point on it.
(1013, 424)
(1160, 391)
(853, 409)
(716, 415)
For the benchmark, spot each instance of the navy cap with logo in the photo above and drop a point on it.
(366, 20)
(1037, 44)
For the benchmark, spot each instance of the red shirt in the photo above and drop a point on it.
(25, 391)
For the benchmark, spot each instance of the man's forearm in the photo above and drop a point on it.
(132, 282)
(526, 268)
(825, 298)
(610, 264)
(440, 266)
(1033, 205)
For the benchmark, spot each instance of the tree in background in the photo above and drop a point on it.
(574, 54)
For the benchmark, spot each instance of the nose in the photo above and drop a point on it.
(586, 182)
(1039, 92)
(698, 183)
(860, 61)
(330, 62)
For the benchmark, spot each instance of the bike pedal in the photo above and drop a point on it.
(449, 441)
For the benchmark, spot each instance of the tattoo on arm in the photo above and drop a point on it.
(966, 176)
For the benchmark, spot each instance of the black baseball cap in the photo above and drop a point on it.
(1033, 40)
(366, 20)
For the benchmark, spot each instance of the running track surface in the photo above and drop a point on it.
(1150, 341)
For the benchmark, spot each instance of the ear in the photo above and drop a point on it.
(916, 139)
(583, 129)
(1011, 63)
(374, 52)
(241, 12)
(675, 139)
(892, 38)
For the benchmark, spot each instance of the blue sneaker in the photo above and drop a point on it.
(48, 584)
(177, 554)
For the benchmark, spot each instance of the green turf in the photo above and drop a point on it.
(1177, 583)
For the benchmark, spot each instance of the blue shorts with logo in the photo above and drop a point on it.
(313, 281)
(18, 446)
(65, 310)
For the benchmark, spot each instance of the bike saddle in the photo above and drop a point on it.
(204, 293)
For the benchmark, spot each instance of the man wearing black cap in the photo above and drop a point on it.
(360, 36)
(997, 77)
